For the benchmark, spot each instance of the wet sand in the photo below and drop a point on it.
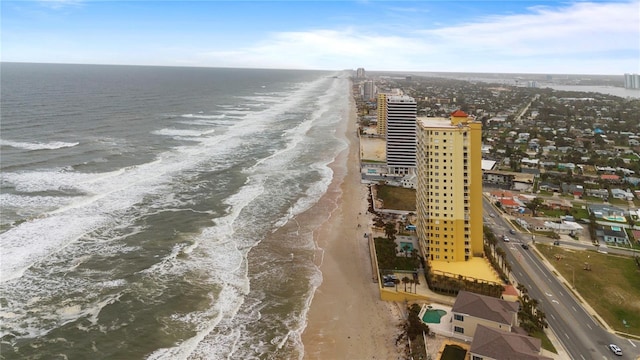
(347, 319)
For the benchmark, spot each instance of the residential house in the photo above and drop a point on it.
(612, 234)
(564, 227)
(621, 194)
(558, 204)
(607, 212)
(599, 193)
(492, 344)
(573, 189)
(471, 309)
(551, 187)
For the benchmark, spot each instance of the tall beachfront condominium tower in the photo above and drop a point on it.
(449, 188)
(401, 134)
(382, 114)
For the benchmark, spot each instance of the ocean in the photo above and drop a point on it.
(154, 212)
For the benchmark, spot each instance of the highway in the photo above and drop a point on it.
(582, 336)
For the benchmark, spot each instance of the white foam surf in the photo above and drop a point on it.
(53, 145)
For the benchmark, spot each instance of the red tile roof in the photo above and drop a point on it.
(459, 113)
(508, 202)
(609, 177)
(510, 290)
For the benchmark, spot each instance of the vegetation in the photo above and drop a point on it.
(388, 259)
(496, 255)
(397, 198)
(616, 276)
(546, 342)
(413, 329)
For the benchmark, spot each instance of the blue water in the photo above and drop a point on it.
(157, 212)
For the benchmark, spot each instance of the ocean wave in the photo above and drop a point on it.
(53, 145)
(202, 116)
(182, 132)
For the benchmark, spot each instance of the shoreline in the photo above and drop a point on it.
(347, 319)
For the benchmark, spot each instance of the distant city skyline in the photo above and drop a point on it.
(545, 37)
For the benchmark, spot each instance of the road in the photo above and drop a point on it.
(580, 334)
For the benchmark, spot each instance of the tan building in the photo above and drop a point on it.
(382, 114)
(449, 188)
(472, 310)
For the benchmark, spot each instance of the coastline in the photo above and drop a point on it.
(347, 319)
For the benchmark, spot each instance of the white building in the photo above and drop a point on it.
(401, 134)
(632, 81)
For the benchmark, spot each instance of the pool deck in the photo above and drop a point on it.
(477, 268)
(444, 327)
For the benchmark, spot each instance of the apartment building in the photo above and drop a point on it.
(401, 134)
(449, 188)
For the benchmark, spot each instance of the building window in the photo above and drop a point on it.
(458, 317)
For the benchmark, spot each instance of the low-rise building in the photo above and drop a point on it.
(490, 343)
(471, 310)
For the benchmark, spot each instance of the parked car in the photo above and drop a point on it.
(389, 284)
(556, 242)
(615, 349)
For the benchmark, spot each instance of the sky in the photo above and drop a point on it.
(552, 37)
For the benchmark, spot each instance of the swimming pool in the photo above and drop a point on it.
(406, 246)
(432, 316)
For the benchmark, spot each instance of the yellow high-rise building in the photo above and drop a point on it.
(449, 188)
(382, 114)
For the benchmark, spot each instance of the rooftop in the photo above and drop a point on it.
(485, 307)
(497, 344)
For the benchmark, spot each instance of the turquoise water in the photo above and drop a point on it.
(407, 244)
(432, 316)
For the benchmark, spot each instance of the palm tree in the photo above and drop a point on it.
(390, 231)
(406, 248)
(405, 280)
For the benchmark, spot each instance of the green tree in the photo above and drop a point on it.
(534, 205)
(390, 231)
(405, 281)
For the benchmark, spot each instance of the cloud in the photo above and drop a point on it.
(59, 4)
(581, 28)
(577, 33)
(319, 49)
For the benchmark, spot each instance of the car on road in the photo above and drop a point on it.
(615, 349)
(505, 239)
(492, 215)
(525, 246)
(512, 231)
(556, 242)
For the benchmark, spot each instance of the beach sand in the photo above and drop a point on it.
(347, 319)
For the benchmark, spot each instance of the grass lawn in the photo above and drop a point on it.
(546, 343)
(397, 198)
(556, 213)
(578, 212)
(611, 287)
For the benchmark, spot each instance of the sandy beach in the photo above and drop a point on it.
(347, 319)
